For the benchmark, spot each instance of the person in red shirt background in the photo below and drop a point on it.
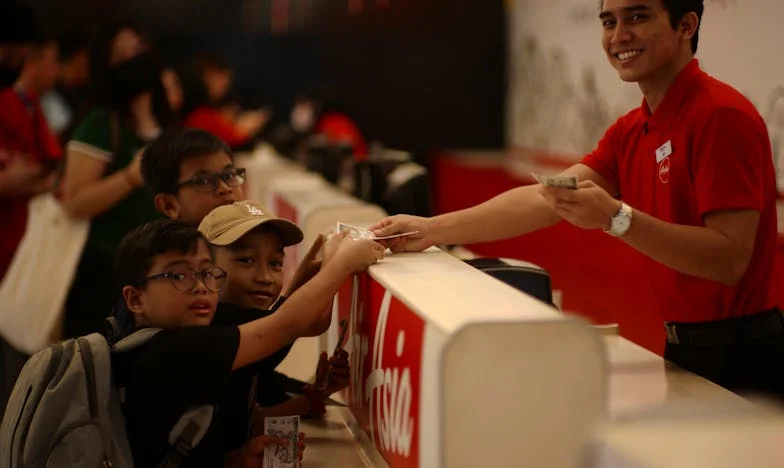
(206, 85)
(26, 143)
(28, 150)
(319, 114)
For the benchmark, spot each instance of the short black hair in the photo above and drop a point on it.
(213, 61)
(163, 159)
(677, 9)
(137, 251)
(74, 40)
(40, 44)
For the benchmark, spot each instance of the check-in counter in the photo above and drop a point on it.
(434, 342)
(451, 367)
(696, 434)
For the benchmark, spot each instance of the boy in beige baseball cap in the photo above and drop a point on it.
(249, 245)
(226, 224)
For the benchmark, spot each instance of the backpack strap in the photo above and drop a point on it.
(112, 330)
(187, 434)
(134, 340)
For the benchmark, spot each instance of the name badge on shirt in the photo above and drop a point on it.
(663, 151)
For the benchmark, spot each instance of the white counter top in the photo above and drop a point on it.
(456, 292)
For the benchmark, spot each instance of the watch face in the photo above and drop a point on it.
(620, 224)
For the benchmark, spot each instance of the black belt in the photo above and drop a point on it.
(726, 332)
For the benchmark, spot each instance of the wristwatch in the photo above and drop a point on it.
(621, 222)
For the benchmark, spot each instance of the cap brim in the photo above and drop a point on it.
(290, 233)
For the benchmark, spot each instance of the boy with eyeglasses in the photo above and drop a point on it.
(190, 173)
(170, 282)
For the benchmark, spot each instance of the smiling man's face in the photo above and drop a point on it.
(638, 38)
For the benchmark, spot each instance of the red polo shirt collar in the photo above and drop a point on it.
(665, 114)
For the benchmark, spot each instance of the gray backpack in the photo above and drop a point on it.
(65, 410)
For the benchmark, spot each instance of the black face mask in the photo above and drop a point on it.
(8, 75)
(132, 77)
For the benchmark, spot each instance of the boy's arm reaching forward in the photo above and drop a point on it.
(306, 308)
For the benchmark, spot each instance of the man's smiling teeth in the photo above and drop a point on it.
(628, 54)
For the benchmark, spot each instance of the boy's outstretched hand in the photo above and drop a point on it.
(308, 267)
(352, 255)
(332, 375)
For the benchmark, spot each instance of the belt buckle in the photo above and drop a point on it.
(672, 333)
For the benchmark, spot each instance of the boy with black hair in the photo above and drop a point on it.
(189, 173)
(171, 282)
(248, 244)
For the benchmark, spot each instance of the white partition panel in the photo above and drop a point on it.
(451, 367)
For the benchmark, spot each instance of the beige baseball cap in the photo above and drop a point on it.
(226, 224)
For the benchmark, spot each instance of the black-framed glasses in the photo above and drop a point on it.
(208, 183)
(184, 278)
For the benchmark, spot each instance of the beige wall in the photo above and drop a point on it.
(563, 94)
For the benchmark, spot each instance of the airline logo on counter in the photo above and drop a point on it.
(386, 356)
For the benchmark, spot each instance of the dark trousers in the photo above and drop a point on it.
(92, 295)
(752, 367)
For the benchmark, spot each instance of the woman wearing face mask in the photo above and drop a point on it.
(102, 180)
(321, 115)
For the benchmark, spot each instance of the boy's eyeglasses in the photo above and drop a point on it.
(184, 278)
(208, 183)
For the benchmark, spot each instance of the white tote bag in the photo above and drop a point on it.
(36, 285)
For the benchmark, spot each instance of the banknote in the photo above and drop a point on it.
(360, 233)
(278, 456)
(569, 182)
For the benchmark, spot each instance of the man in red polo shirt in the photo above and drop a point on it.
(29, 151)
(687, 179)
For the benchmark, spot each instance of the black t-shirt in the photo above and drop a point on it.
(171, 373)
(178, 369)
(246, 385)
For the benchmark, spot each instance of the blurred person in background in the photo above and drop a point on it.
(27, 144)
(28, 151)
(173, 86)
(208, 106)
(317, 113)
(332, 122)
(68, 103)
(102, 180)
